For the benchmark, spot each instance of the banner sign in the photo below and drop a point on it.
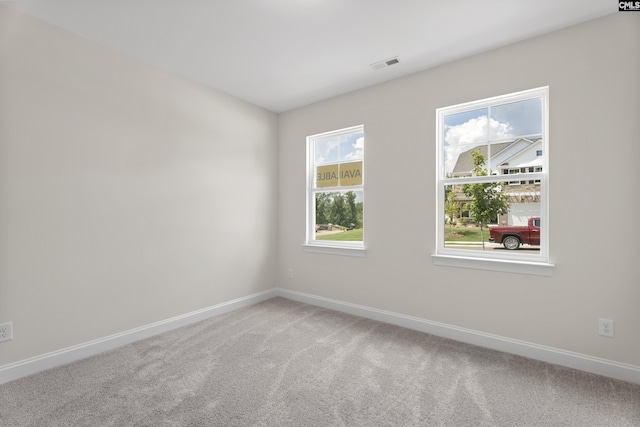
(351, 173)
(327, 176)
(344, 174)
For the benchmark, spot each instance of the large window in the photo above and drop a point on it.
(492, 166)
(335, 191)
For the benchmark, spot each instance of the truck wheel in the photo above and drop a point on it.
(511, 242)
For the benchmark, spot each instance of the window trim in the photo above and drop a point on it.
(335, 250)
(508, 262)
(347, 248)
(506, 266)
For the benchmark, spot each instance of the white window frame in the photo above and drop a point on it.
(329, 246)
(511, 261)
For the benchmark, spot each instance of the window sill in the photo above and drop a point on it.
(335, 250)
(508, 266)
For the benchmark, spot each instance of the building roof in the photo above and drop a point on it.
(464, 164)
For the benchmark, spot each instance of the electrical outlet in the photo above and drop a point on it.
(6, 331)
(606, 328)
(290, 273)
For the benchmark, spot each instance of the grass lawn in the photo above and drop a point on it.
(351, 236)
(458, 235)
(465, 235)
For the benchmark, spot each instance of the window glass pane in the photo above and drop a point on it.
(327, 176)
(351, 146)
(339, 215)
(326, 149)
(469, 127)
(350, 174)
(517, 229)
(459, 160)
(515, 156)
(516, 119)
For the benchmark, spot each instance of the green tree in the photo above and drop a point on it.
(487, 199)
(352, 215)
(323, 207)
(452, 207)
(338, 210)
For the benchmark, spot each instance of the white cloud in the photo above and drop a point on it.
(475, 130)
(500, 130)
(326, 150)
(357, 153)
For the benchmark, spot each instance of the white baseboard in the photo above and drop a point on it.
(36, 364)
(595, 365)
(556, 356)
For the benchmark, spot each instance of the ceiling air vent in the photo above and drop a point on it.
(386, 63)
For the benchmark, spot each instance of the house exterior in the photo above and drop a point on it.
(522, 155)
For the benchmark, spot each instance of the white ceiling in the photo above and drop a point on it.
(282, 54)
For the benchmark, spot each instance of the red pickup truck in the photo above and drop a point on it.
(513, 236)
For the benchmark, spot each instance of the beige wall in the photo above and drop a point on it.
(592, 71)
(128, 195)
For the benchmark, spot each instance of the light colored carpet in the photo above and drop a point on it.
(283, 363)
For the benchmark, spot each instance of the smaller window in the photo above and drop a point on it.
(538, 153)
(335, 191)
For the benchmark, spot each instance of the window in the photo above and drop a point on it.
(492, 161)
(335, 192)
